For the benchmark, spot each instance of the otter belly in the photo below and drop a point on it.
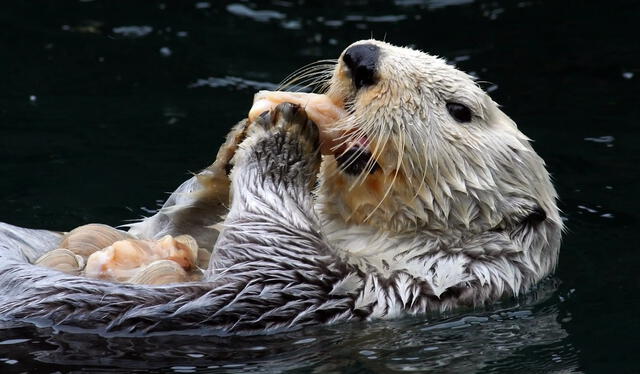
(252, 284)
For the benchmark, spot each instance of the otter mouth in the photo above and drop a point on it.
(355, 158)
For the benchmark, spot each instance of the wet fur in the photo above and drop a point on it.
(465, 212)
(454, 216)
(256, 282)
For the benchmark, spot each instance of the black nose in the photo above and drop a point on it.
(362, 60)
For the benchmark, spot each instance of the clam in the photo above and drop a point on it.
(160, 272)
(63, 260)
(87, 239)
(119, 261)
(123, 259)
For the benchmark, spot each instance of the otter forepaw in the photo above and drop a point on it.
(223, 163)
(283, 143)
(294, 121)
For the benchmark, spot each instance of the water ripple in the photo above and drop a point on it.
(233, 82)
(432, 4)
(133, 31)
(256, 15)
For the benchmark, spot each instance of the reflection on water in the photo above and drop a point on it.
(255, 15)
(106, 106)
(233, 82)
(133, 31)
(526, 338)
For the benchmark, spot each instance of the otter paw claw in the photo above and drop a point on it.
(293, 119)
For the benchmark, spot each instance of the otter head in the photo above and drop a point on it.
(424, 148)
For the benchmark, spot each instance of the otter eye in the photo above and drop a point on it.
(459, 112)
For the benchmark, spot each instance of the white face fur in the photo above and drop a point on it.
(444, 158)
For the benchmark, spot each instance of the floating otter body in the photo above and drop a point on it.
(426, 197)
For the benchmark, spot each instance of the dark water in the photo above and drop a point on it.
(106, 105)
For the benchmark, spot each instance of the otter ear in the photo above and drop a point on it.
(536, 216)
(530, 219)
(523, 214)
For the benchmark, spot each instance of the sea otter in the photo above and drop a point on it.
(421, 196)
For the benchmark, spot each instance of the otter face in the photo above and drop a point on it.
(424, 147)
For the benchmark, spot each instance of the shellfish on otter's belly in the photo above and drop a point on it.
(103, 252)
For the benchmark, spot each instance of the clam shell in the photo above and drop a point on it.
(87, 239)
(63, 260)
(160, 272)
